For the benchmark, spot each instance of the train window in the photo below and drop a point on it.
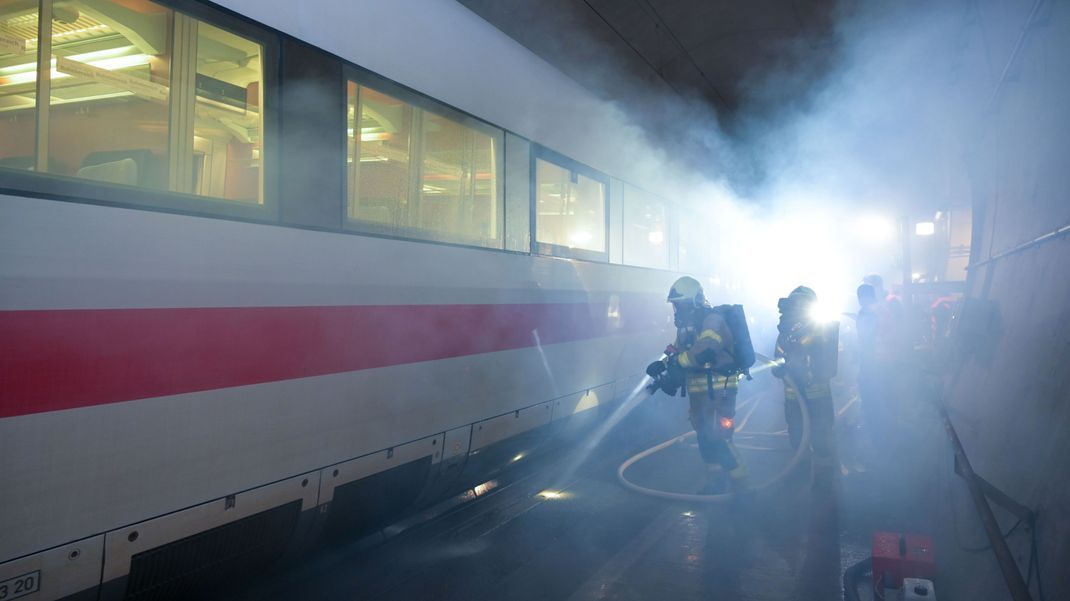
(18, 90)
(227, 119)
(419, 174)
(645, 229)
(458, 181)
(139, 95)
(108, 117)
(378, 143)
(570, 208)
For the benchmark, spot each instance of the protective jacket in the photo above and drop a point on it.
(877, 335)
(704, 352)
(801, 344)
(704, 342)
(809, 351)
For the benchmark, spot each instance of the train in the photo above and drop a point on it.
(266, 281)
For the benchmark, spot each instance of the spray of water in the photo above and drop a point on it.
(545, 363)
(764, 364)
(638, 394)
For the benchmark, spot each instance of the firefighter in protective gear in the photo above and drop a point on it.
(806, 351)
(702, 353)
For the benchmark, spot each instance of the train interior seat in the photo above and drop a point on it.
(123, 171)
(24, 163)
(128, 167)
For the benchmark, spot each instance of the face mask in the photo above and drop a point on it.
(784, 305)
(682, 314)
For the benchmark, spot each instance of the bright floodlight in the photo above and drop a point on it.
(875, 229)
(823, 312)
(925, 228)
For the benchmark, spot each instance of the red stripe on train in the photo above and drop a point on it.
(54, 360)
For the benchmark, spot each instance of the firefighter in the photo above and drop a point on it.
(876, 366)
(806, 352)
(701, 359)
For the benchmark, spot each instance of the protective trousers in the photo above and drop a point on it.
(713, 411)
(822, 423)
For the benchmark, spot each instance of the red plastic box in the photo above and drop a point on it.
(898, 556)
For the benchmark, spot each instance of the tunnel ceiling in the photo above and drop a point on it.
(693, 48)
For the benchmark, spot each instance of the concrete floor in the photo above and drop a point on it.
(597, 540)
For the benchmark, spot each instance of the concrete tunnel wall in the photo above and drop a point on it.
(1011, 402)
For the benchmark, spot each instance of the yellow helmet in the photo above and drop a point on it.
(687, 288)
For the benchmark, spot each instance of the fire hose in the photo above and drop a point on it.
(796, 459)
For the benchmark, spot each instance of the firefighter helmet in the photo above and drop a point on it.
(803, 295)
(687, 289)
(798, 301)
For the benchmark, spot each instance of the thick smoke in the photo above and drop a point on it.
(809, 186)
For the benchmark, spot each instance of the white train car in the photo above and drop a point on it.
(251, 290)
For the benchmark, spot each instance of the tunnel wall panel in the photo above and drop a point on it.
(1011, 400)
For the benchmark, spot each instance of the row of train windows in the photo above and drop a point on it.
(452, 189)
(139, 94)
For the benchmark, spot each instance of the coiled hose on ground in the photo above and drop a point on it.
(851, 577)
(796, 459)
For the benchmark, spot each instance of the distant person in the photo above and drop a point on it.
(876, 350)
(807, 351)
(702, 359)
(940, 313)
(876, 282)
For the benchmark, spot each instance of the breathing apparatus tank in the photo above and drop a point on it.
(742, 347)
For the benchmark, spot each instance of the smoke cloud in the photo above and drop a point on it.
(808, 180)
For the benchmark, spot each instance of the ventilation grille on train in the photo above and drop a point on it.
(362, 506)
(182, 569)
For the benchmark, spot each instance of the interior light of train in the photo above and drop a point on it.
(551, 494)
(518, 457)
(87, 57)
(925, 228)
(27, 73)
(656, 237)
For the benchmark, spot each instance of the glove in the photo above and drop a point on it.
(655, 369)
(669, 387)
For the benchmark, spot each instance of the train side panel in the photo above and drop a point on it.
(113, 460)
